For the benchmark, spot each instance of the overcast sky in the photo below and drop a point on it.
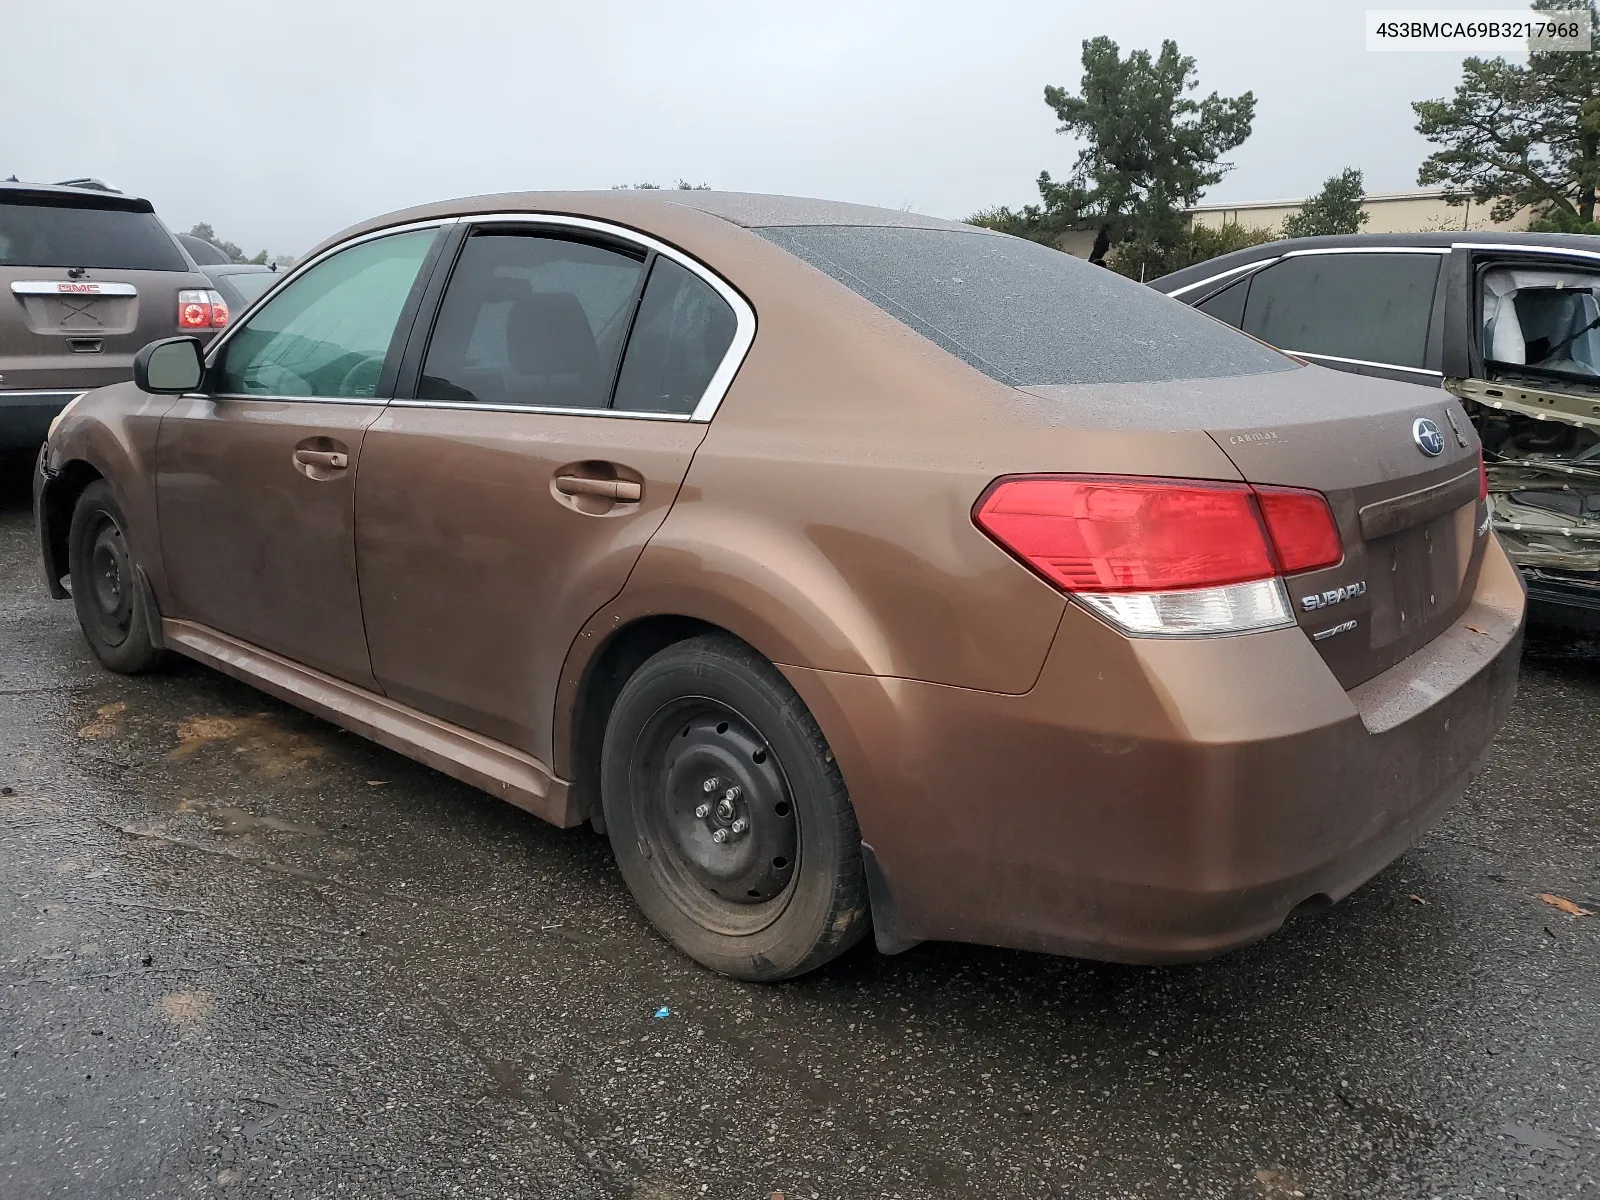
(282, 122)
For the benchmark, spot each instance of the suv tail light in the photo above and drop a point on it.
(1165, 556)
(201, 309)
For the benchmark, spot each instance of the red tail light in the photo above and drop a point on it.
(1301, 527)
(1117, 534)
(1110, 534)
(1165, 556)
(201, 309)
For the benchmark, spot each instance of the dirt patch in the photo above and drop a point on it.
(186, 1010)
(266, 747)
(107, 722)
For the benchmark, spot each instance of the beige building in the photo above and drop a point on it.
(1418, 210)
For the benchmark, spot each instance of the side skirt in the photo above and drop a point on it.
(497, 768)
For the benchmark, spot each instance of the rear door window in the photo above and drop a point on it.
(680, 337)
(327, 333)
(42, 234)
(1227, 305)
(1371, 308)
(532, 320)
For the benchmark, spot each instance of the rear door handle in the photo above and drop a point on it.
(624, 490)
(333, 460)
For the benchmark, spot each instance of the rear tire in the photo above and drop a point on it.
(728, 816)
(107, 591)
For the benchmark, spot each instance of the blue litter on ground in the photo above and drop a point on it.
(663, 1011)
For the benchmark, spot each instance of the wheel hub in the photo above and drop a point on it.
(727, 810)
(109, 578)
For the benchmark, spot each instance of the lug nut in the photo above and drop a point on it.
(711, 785)
(720, 835)
(703, 811)
(741, 825)
(732, 793)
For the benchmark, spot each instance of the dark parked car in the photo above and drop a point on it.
(90, 275)
(204, 253)
(1508, 322)
(240, 284)
(846, 567)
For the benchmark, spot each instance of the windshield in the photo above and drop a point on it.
(1548, 320)
(1023, 313)
(34, 234)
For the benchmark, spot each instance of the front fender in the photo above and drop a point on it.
(111, 433)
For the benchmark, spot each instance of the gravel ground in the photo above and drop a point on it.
(245, 954)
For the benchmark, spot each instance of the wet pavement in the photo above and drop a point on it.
(245, 954)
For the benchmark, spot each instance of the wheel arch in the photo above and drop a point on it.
(589, 688)
(57, 499)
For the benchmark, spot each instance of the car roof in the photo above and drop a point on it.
(654, 209)
(78, 197)
(1220, 265)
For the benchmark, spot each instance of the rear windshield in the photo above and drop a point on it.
(57, 235)
(1022, 313)
(250, 284)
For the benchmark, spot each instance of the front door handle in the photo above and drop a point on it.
(623, 490)
(332, 460)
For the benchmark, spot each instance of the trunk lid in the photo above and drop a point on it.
(1409, 521)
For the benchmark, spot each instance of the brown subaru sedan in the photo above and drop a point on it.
(850, 569)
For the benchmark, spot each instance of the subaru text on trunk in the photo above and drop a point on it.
(849, 569)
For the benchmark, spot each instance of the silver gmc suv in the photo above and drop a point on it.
(87, 277)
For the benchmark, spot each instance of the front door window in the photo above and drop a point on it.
(328, 334)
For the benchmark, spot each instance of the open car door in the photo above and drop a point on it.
(1532, 386)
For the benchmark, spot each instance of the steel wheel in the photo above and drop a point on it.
(711, 798)
(728, 814)
(111, 583)
(114, 610)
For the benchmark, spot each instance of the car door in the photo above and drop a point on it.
(255, 476)
(1370, 312)
(560, 394)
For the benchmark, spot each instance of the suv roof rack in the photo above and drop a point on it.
(87, 181)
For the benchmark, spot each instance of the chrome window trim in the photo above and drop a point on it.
(553, 410)
(377, 401)
(1548, 251)
(1251, 266)
(1366, 250)
(1363, 362)
(744, 333)
(294, 273)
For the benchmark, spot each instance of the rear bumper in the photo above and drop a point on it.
(25, 416)
(1159, 801)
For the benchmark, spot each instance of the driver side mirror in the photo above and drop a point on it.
(169, 367)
